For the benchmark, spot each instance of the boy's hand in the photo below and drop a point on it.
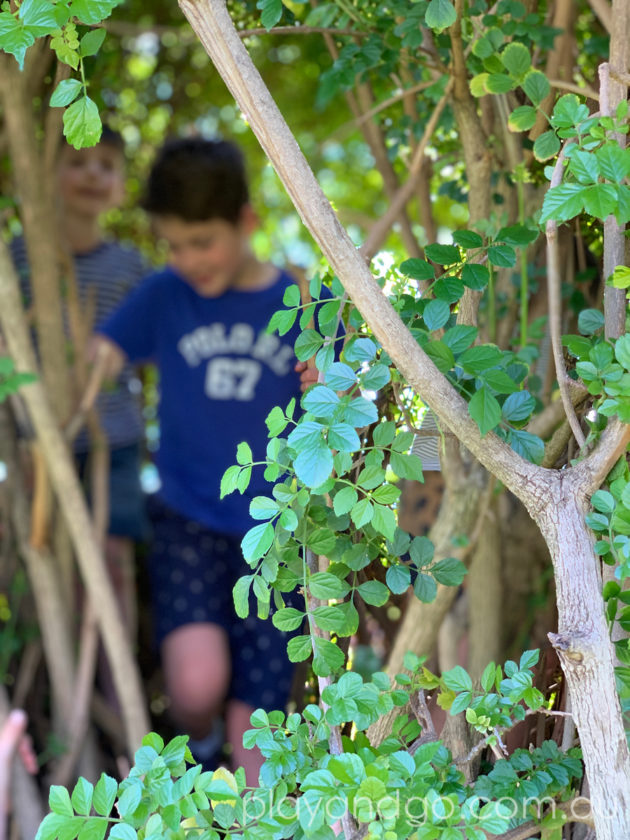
(308, 375)
(106, 357)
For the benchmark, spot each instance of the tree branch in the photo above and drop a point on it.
(555, 306)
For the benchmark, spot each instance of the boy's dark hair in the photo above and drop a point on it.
(109, 137)
(197, 180)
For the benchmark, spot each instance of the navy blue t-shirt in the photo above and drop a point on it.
(221, 373)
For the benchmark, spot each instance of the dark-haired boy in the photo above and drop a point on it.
(203, 320)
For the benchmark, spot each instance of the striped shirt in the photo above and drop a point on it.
(105, 276)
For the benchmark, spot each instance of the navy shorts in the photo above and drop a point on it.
(127, 500)
(192, 570)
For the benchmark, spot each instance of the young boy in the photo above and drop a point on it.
(88, 183)
(203, 320)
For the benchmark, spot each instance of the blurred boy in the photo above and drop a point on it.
(203, 320)
(88, 183)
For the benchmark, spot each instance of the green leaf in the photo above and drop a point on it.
(360, 350)
(94, 829)
(375, 377)
(384, 521)
(475, 276)
(528, 446)
(122, 831)
(421, 551)
(450, 571)
(622, 351)
(59, 801)
(425, 588)
(340, 376)
(287, 619)
(536, 87)
(441, 355)
(485, 410)
(299, 648)
(66, 92)
(398, 578)
(324, 585)
(14, 37)
(440, 15)
(282, 321)
(467, 239)
(345, 500)
(546, 145)
(503, 256)
(584, 166)
(291, 297)
(343, 437)
(614, 162)
(262, 507)
(517, 407)
(517, 235)
(478, 84)
(307, 344)
(603, 501)
(240, 595)
(306, 434)
(480, 358)
(590, 321)
(418, 269)
(82, 797)
(384, 433)
(406, 466)
(243, 454)
(314, 464)
(82, 123)
(499, 83)
(360, 412)
(105, 794)
(374, 592)
(387, 494)
(362, 513)
(443, 254)
(522, 118)
(321, 401)
(436, 313)
(562, 202)
(457, 679)
(334, 619)
(257, 541)
(38, 16)
(271, 12)
(328, 657)
(91, 42)
(459, 338)
(499, 380)
(600, 200)
(93, 11)
(516, 59)
(321, 540)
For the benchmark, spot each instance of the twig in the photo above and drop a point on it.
(126, 28)
(555, 318)
(587, 92)
(404, 194)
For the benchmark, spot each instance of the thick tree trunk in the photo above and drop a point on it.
(584, 648)
(545, 493)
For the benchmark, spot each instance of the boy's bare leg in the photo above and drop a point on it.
(196, 662)
(237, 715)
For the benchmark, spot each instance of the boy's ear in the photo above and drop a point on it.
(248, 219)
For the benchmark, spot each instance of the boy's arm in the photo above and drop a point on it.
(108, 360)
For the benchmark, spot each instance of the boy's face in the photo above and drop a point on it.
(90, 181)
(209, 255)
